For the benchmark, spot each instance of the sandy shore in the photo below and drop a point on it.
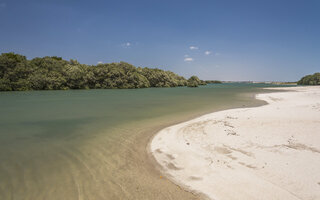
(268, 152)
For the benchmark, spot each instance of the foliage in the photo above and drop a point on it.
(194, 81)
(53, 73)
(310, 80)
(213, 81)
(160, 78)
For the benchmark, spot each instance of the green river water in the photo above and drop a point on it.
(92, 144)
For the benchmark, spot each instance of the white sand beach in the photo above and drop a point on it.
(262, 153)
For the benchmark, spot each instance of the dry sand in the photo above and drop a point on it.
(266, 153)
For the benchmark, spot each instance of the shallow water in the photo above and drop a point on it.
(91, 144)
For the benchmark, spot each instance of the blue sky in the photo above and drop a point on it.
(226, 40)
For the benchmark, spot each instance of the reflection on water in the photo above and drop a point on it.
(91, 144)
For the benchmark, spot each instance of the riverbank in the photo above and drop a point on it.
(267, 152)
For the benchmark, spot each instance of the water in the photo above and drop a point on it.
(92, 144)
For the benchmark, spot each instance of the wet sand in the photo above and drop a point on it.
(267, 152)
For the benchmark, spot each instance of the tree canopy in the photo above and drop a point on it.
(310, 79)
(53, 73)
(194, 81)
(213, 82)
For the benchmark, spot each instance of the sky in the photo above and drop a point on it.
(256, 40)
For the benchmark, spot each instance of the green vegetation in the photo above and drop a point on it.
(194, 81)
(310, 80)
(213, 82)
(53, 73)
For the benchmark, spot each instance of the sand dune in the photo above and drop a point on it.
(268, 152)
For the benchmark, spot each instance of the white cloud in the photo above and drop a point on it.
(207, 52)
(100, 62)
(186, 56)
(193, 48)
(188, 59)
(126, 45)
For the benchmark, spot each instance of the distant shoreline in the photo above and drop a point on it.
(223, 155)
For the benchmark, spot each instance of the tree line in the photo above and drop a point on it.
(213, 82)
(54, 73)
(313, 79)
